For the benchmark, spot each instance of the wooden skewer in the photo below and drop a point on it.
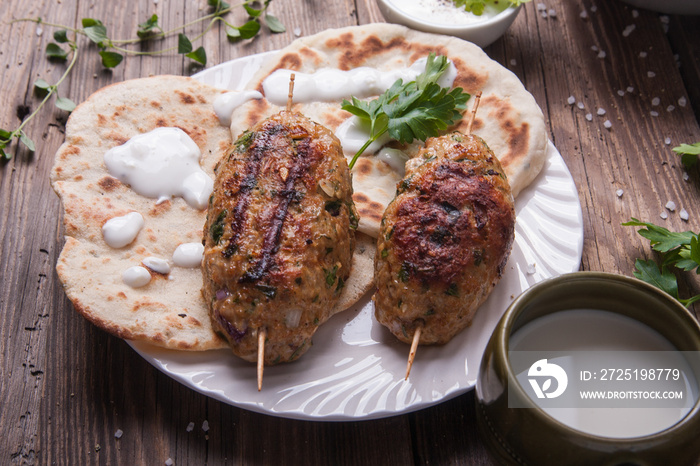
(262, 336)
(472, 117)
(414, 348)
(291, 92)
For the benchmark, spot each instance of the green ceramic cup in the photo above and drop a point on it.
(530, 436)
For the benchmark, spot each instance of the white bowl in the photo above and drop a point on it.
(671, 7)
(482, 33)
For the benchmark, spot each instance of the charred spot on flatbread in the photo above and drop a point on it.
(108, 183)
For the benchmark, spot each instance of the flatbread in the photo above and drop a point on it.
(169, 311)
(508, 119)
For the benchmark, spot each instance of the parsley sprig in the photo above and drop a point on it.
(418, 109)
(477, 6)
(680, 251)
(112, 51)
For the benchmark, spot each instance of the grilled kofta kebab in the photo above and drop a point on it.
(279, 237)
(444, 240)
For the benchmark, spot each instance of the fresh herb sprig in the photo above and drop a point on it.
(477, 6)
(689, 154)
(112, 51)
(679, 251)
(415, 110)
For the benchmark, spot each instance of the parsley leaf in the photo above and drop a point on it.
(415, 110)
(477, 6)
(689, 154)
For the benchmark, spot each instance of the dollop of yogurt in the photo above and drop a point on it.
(331, 84)
(188, 255)
(136, 276)
(121, 231)
(226, 103)
(162, 164)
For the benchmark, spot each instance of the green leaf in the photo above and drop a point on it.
(5, 135)
(661, 278)
(689, 154)
(65, 104)
(274, 24)
(233, 33)
(89, 22)
(24, 139)
(96, 33)
(111, 59)
(54, 51)
(252, 12)
(199, 55)
(661, 239)
(218, 5)
(149, 27)
(42, 84)
(249, 29)
(61, 36)
(183, 44)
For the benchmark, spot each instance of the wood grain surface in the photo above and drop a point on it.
(67, 387)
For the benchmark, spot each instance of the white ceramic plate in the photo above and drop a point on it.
(356, 368)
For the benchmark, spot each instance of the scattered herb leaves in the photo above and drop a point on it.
(689, 154)
(477, 6)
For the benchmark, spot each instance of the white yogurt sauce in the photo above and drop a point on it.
(157, 264)
(353, 134)
(445, 12)
(120, 231)
(395, 158)
(188, 255)
(162, 164)
(226, 103)
(136, 276)
(331, 84)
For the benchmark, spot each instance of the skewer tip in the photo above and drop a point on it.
(472, 117)
(414, 348)
(262, 336)
(291, 92)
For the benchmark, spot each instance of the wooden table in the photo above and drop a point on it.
(67, 387)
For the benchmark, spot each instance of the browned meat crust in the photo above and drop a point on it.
(279, 236)
(444, 241)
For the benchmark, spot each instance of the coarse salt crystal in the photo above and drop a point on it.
(531, 268)
(541, 7)
(205, 426)
(544, 14)
(664, 19)
(601, 54)
(670, 108)
(655, 101)
(583, 14)
(682, 101)
(39, 31)
(628, 30)
(642, 54)
(601, 111)
(169, 462)
(654, 113)
(580, 105)
(118, 433)
(607, 124)
(513, 62)
(190, 427)
(667, 141)
(297, 32)
(621, 93)
(594, 9)
(670, 205)
(619, 193)
(663, 215)
(635, 13)
(552, 13)
(651, 74)
(630, 89)
(571, 100)
(686, 177)
(594, 48)
(589, 116)
(684, 215)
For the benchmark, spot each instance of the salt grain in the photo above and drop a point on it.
(118, 433)
(654, 113)
(594, 9)
(541, 7)
(205, 426)
(619, 193)
(663, 215)
(589, 117)
(607, 124)
(39, 31)
(686, 177)
(594, 48)
(544, 14)
(670, 108)
(601, 54)
(655, 101)
(642, 54)
(190, 427)
(670, 205)
(667, 141)
(682, 101)
(651, 74)
(297, 32)
(664, 19)
(628, 30)
(580, 105)
(630, 89)
(169, 462)
(600, 111)
(531, 269)
(513, 62)
(621, 93)
(583, 14)
(571, 100)
(635, 13)
(552, 13)
(684, 215)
